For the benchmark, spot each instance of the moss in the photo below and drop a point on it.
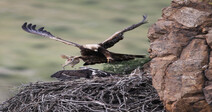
(125, 67)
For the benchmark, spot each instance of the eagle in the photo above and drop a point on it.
(84, 72)
(91, 53)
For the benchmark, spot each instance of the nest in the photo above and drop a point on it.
(110, 94)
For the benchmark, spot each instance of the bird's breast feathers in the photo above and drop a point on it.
(93, 47)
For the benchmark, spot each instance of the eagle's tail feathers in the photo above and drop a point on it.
(125, 56)
(138, 56)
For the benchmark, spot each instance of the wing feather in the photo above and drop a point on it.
(116, 37)
(32, 29)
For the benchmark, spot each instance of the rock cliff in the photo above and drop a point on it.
(180, 48)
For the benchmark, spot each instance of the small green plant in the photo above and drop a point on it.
(209, 1)
(125, 67)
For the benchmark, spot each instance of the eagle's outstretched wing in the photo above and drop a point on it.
(111, 41)
(32, 29)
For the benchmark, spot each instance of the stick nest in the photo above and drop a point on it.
(111, 94)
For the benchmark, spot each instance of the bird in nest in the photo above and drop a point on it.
(83, 72)
(91, 53)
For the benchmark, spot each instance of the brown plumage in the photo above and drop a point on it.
(89, 73)
(92, 53)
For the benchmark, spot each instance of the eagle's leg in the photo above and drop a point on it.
(106, 53)
(109, 59)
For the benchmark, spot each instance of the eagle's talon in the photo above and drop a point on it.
(109, 59)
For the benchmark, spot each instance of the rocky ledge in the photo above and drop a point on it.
(180, 45)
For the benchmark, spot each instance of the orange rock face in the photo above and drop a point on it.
(180, 45)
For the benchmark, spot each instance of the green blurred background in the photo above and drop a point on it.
(28, 58)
